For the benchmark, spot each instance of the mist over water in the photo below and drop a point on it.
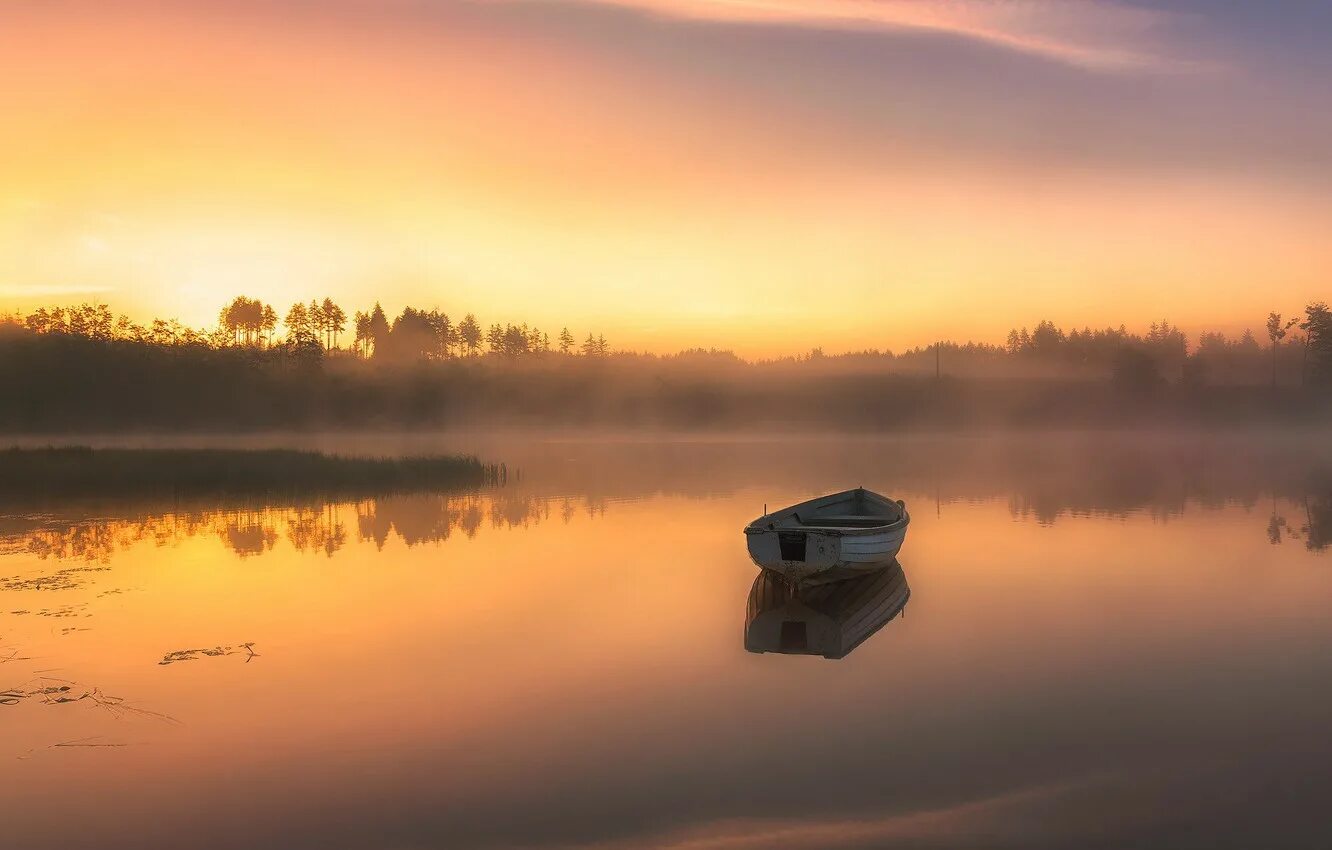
(1111, 640)
(398, 398)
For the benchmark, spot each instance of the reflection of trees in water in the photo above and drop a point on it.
(1043, 478)
(247, 534)
(1275, 526)
(1124, 484)
(316, 529)
(1122, 489)
(88, 542)
(1318, 521)
(1315, 529)
(1046, 510)
(416, 519)
(422, 519)
(96, 539)
(412, 519)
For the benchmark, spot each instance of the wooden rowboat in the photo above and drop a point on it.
(830, 537)
(830, 619)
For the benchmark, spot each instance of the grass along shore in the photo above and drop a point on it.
(83, 471)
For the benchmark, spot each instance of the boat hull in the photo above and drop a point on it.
(823, 552)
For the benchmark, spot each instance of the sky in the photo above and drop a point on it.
(762, 175)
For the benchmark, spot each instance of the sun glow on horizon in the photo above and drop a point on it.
(683, 189)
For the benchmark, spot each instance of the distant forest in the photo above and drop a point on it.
(86, 369)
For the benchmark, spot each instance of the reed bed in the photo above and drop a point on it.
(84, 471)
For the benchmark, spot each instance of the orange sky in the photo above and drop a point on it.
(767, 176)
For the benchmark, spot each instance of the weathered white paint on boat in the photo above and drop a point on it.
(829, 619)
(852, 530)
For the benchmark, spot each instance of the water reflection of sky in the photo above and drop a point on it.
(1088, 660)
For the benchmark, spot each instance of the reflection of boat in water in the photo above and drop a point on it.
(829, 619)
(852, 530)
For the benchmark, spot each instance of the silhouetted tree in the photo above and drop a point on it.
(566, 341)
(378, 331)
(166, 333)
(300, 331)
(243, 318)
(230, 320)
(1277, 332)
(39, 321)
(361, 327)
(1317, 327)
(413, 336)
(1168, 347)
(318, 321)
(1046, 340)
(335, 321)
(516, 340)
(444, 332)
(469, 332)
(268, 321)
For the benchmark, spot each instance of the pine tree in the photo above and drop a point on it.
(335, 321)
(378, 331)
(298, 324)
(469, 333)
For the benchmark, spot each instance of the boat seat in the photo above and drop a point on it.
(835, 524)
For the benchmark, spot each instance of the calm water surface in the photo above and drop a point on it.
(1109, 643)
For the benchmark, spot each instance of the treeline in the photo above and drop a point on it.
(85, 369)
(1296, 350)
(316, 328)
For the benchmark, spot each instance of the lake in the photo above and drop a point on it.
(1111, 641)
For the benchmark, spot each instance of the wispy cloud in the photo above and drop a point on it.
(1097, 34)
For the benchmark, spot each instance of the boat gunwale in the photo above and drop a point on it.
(902, 521)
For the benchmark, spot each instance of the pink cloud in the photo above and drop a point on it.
(1097, 34)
